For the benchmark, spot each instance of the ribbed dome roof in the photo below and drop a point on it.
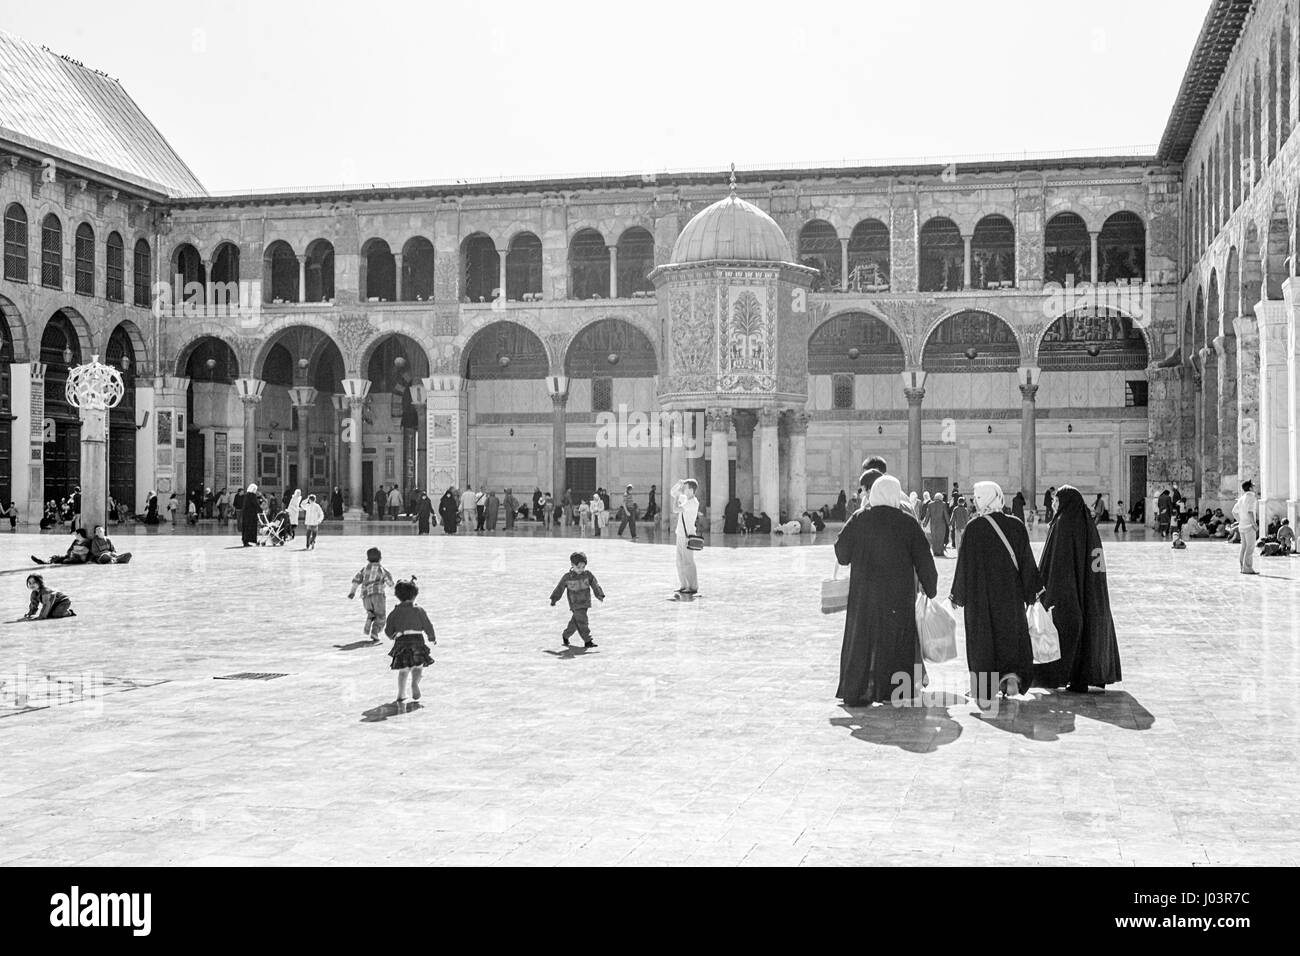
(732, 229)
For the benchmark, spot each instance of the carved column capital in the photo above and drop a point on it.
(914, 395)
(718, 419)
(744, 420)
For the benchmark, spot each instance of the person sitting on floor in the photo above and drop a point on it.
(1194, 529)
(45, 601)
(78, 552)
(102, 550)
(764, 524)
(1179, 543)
(1286, 537)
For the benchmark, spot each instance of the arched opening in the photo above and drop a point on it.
(142, 274)
(1252, 272)
(397, 364)
(851, 358)
(1067, 250)
(1276, 269)
(61, 351)
(1284, 82)
(942, 257)
(481, 268)
(225, 276)
(1209, 396)
(280, 270)
(6, 409)
(1192, 349)
(212, 429)
(1231, 290)
(1272, 97)
(819, 248)
(971, 341)
(417, 270)
(52, 252)
(320, 271)
(191, 276)
(588, 266)
(379, 272)
(121, 354)
(993, 253)
(1122, 248)
(636, 258)
(524, 268)
(1185, 335)
(869, 257)
(114, 267)
(15, 243)
(1093, 340)
(1256, 123)
(611, 348)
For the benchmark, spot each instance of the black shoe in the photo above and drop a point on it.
(565, 640)
(124, 558)
(1077, 688)
(692, 591)
(37, 560)
(589, 644)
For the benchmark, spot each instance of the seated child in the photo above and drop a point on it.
(1179, 543)
(45, 601)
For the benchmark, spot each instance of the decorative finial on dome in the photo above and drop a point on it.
(733, 179)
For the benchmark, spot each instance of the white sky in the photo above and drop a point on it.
(277, 94)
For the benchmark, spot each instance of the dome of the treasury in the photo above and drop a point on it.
(732, 229)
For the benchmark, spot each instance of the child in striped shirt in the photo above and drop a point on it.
(372, 579)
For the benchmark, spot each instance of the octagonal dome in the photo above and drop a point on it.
(732, 229)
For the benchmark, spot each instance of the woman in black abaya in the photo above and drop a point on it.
(995, 580)
(1073, 570)
(423, 513)
(248, 511)
(881, 657)
(449, 511)
(336, 502)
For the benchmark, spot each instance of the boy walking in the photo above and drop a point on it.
(315, 514)
(578, 584)
(372, 579)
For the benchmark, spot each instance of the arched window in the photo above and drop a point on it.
(524, 268)
(380, 280)
(481, 267)
(192, 274)
(85, 260)
(114, 268)
(636, 257)
(993, 253)
(417, 270)
(320, 271)
(52, 252)
(141, 274)
(819, 248)
(869, 257)
(1122, 248)
(16, 243)
(281, 267)
(1067, 250)
(942, 258)
(588, 266)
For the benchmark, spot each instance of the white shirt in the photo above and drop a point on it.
(688, 512)
(1245, 508)
(315, 515)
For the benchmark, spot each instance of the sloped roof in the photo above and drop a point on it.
(1219, 34)
(59, 108)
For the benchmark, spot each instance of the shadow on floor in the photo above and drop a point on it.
(568, 653)
(917, 729)
(389, 709)
(1049, 715)
(354, 645)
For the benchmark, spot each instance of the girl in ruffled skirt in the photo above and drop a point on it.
(407, 626)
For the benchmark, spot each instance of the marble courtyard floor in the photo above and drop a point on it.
(700, 733)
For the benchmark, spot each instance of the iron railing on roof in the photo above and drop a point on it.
(1144, 151)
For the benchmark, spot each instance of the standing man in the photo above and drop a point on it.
(651, 508)
(629, 513)
(394, 502)
(381, 503)
(688, 512)
(1246, 510)
(1120, 524)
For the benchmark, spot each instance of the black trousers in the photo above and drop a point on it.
(311, 536)
(578, 622)
(1120, 525)
(480, 512)
(628, 520)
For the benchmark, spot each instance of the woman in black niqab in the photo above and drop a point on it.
(1073, 570)
(449, 511)
(249, 509)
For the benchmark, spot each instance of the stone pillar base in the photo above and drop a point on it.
(354, 514)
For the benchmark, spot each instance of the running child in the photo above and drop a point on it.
(372, 579)
(407, 625)
(579, 584)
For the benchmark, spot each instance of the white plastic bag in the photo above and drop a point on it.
(1043, 635)
(937, 626)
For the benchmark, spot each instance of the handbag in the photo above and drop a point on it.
(1042, 629)
(694, 540)
(937, 627)
(835, 592)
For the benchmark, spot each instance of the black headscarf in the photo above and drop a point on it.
(1073, 569)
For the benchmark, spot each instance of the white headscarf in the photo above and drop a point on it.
(252, 489)
(886, 492)
(988, 497)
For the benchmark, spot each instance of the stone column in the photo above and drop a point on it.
(303, 399)
(613, 271)
(965, 269)
(1247, 431)
(94, 467)
(1274, 469)
(501, 273)
(798, 489)
(914, 390)
(207, 286)
(1028, 378)
(1209, 434)
(356, 390)
(340, 470)
(769, 478)
(447, 431)
(694, 436)
(1293, 414)
(1226, 346)
(783, 465)
(397, 287)
(302, 278)
(844, 265)
(744, 421)
(27, 404)
(1094, 267)
(250, 393)
(558, 387)
(719, 427)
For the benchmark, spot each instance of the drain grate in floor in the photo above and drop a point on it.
(250, 675)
